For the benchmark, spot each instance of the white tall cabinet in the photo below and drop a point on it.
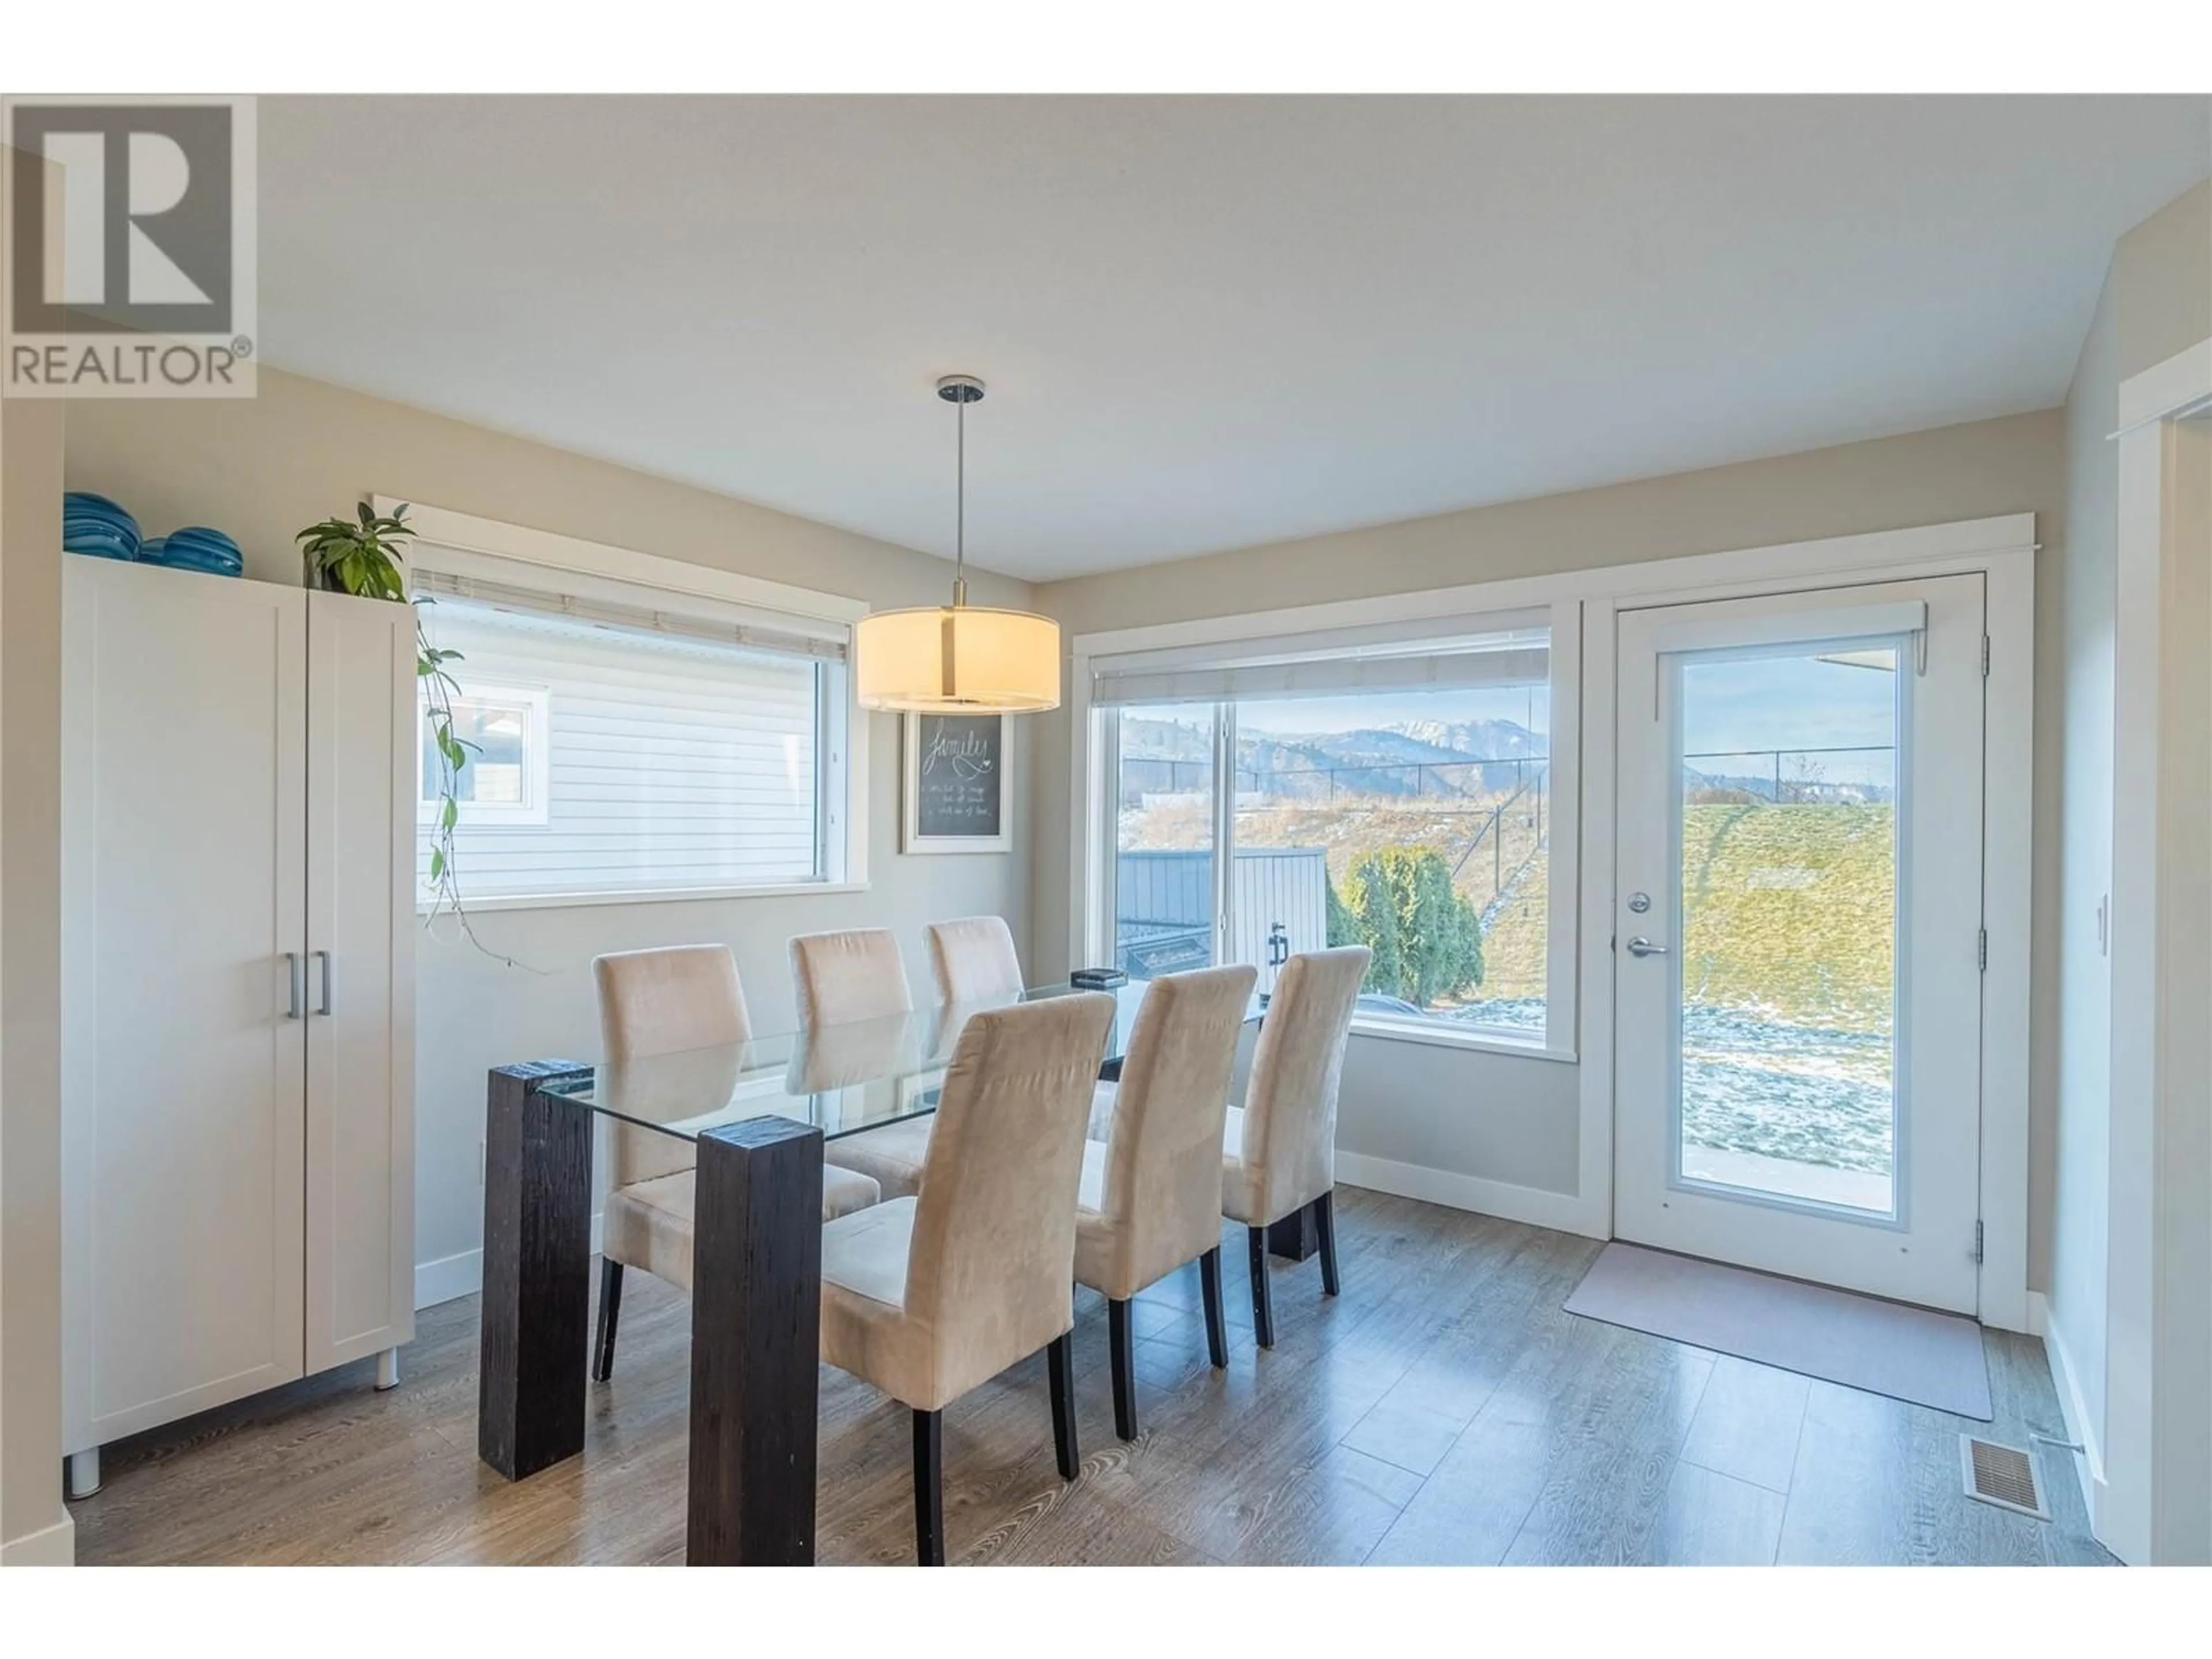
(238, 826)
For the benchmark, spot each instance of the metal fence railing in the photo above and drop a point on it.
(1797, 776)
(1465, 779)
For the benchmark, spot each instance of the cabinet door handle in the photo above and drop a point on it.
(295, 977)
(324, 957)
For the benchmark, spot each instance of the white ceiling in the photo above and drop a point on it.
(1204, 322)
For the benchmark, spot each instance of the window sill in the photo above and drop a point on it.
(1441, 1036)
(646, 896)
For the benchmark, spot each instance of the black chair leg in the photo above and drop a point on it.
(1217, 1329)
(1324, 1223)
(929, 1489)
(1059, 1363)
(602, 1347)
(1121, 1342)
(1263, 1309)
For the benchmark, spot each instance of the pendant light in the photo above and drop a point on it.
(959, 658)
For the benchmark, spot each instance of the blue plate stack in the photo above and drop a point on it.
(96, 526)
(195, 548)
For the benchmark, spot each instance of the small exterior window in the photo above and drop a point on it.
(507, 732)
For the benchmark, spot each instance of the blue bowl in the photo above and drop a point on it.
(82, 537)
(84, 504)
(196, 547)
(180, 551)
(201, 535)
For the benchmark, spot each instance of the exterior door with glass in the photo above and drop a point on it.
(1798, 937)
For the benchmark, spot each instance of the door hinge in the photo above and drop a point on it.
(1978, 1243)
(1985, 656)
(1982, 951)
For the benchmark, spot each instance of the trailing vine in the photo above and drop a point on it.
(363, 556)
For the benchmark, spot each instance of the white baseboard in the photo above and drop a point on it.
(53, 1546)
(1564, 1212)
(2089, 1462)
(448, 1278)
(451, 1277)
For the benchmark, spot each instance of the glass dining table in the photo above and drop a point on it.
(758, 1113)
(840, 1079)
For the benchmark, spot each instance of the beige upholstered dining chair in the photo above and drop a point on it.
(666, 1002)
(844, 978)
(1151, 1200)
(927, 1296)
(1279, 1153)
(973, 960)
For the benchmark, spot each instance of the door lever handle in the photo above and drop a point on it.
(1641, 946)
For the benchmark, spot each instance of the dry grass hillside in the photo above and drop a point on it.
(1790, 909)
(1787, 908)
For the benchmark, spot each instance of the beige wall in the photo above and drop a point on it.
(34, 1527)
(2162, 273)
(261, 468)
(1503, 1119)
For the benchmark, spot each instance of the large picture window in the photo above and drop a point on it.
(1398, 793)
(638, 744)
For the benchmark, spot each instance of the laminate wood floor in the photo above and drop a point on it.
(1442, 1410)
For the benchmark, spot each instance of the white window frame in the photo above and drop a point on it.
(1097, 806)
(536, 808)
(457, 543)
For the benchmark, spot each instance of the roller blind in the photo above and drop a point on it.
(596, 602)
(1494, 651)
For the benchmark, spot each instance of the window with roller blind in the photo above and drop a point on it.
(632, 742)
(1395, 786)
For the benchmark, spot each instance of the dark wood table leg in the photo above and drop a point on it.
(755, 1341)
(1296, 1236)
(536, 1271)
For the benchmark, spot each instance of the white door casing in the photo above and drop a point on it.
(2156, 1502)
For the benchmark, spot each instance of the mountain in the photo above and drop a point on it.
(1164, 756)
(1486, 739)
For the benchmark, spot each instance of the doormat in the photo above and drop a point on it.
(1884, 1348)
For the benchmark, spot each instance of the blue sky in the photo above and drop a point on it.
(1743, 706)
(1790, 702)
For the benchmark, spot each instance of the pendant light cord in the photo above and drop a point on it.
(960, 507)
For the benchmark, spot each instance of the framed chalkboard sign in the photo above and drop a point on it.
(957, 796)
